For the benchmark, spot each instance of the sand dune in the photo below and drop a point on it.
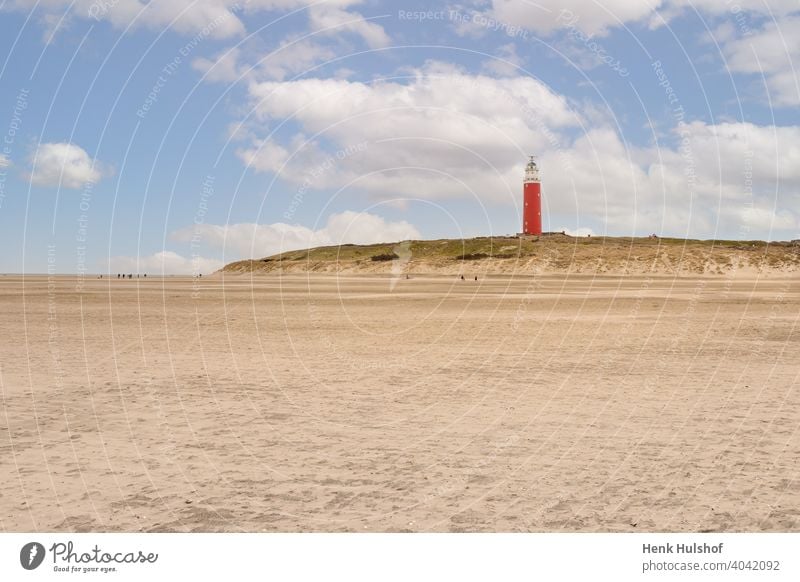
(366, 403)
(554, 254)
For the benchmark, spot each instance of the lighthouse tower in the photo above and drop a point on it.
(532, 200)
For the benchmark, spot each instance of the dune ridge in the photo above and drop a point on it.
(553, 254)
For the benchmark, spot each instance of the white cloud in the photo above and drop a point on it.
(164, 263)
(291, 57)
(54, 24)
(598, 18)
(204, 18)
(767, 219)
(756, 36)
(446, 133)
(4, 161)
(328, 16)
(545, 16)
(771, 8)
(431, 137)
(428, 139)
(773, 51)
(209, 18)
(364, 228)
(720, 180)
(63, 164)
(222, 68)
(264, 156)
(581, 231)
(259, 240)
(506, 63)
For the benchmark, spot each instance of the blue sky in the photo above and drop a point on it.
(176, 136)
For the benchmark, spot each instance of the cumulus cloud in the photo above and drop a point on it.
(330, 17)
(63, 164)
(222, 68)
(773, 8)
(598, 18)
(705, 181)
(258, 240)
(445, 133)
(209, 18)
(264, 156)
(772, 50)
(291, 57)
(442, 133)
(545, 16)
(164, 263)
(203, 18)
(4, 161)
(516, 18)
(768, 219)
(506, 63)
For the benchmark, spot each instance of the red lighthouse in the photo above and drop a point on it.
(532, 196)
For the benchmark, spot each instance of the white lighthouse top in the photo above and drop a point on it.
(532, 171)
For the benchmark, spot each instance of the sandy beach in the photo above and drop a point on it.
(365, 403)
